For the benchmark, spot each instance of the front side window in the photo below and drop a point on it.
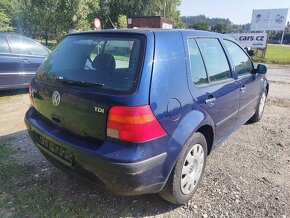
(243, 64)
(24, 46)
(215, 59)
(198, 72)
(4, 47)
(112, 61)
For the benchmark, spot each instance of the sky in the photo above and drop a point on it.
(238, 11)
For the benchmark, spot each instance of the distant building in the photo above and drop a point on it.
(150, 22)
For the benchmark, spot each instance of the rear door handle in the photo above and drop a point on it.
(26, 61)
(243, 88)
(210, 101)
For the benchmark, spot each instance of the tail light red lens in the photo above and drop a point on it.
(133, 124)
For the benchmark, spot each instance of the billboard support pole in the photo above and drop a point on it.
(265, 49)
(282, 37)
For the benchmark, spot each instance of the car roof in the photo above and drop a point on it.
(25, 37)
(148, 30)
(11, 33)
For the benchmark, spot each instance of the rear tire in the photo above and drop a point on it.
(260, 109)
(187, 172)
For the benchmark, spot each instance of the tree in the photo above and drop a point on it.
(221, 28)
(10, 10)
(191, 20)
(122, 21)
(84, 11)
(201, 25)
(5, 23)
(133, 8)
(57, 17)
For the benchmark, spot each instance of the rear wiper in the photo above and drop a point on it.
(78, 83)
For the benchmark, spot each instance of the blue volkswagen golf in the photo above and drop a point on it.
(139, 111)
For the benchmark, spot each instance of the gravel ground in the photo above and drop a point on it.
(247, 176)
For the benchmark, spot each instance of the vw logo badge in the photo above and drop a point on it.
(55, 98)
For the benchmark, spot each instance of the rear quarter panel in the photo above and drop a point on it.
(170, 99)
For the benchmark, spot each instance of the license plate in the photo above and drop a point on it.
(56, 149)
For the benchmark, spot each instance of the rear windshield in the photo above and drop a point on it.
(107, 62)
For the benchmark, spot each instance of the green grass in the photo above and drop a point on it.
(121, 58)
(276, 54)
(24, 195)
(8, 170)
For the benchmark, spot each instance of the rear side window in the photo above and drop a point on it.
(243, 64)
(4, 48)
(113, 61)
(24, 46)
(198, 73)
(215, 59)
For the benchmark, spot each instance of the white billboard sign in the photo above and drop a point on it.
(269, 19)
(253, 40)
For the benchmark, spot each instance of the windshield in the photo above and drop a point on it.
(114, 61)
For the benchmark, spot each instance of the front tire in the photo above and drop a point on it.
(187, 172)
(260, 109)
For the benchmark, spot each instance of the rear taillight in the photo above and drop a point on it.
(133, 124)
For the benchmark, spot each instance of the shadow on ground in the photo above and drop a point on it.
(41, 189)
(4, 93)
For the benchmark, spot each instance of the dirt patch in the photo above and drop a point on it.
(12, 110)
(247, 176)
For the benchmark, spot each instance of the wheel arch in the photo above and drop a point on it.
(196, 121)
(208, 133)
(267, 88)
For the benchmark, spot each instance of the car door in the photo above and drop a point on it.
(8, 65)
(250, 83)
(30, 56)
(213, 85)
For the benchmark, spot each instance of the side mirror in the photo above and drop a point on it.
(261, 69)
(250, 53)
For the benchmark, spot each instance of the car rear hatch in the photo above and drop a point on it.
(84, 76)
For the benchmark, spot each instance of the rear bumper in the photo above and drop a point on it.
(127, 169)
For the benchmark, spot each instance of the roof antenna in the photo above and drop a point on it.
(112, 23)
